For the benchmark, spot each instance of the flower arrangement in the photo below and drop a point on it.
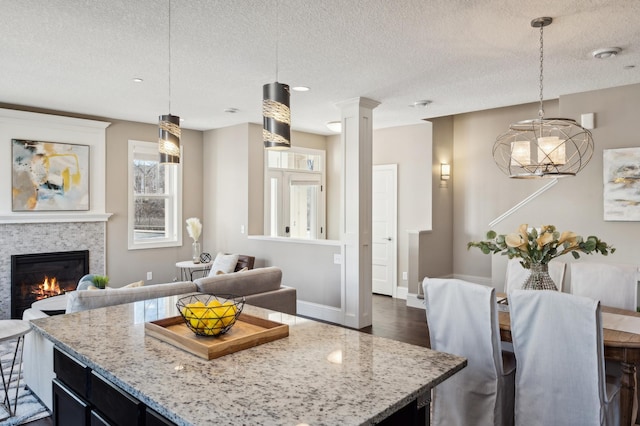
(194, 228)
(540, 247)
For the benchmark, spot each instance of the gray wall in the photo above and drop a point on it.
(482, 192)
(410, 147)
(435, 249)
(125, 266)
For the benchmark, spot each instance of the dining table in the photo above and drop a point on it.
(621, 335)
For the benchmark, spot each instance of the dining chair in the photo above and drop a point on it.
(517, 274)
(558, 344)
(614, 285)
(463, 319)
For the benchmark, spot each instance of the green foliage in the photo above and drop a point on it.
(540, 246)
(100, 281)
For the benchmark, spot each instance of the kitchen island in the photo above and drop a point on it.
(320, 374)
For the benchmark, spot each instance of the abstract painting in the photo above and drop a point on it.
(49, 176)
(621, 169)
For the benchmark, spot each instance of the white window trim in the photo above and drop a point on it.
(176, 239)
(285, 175)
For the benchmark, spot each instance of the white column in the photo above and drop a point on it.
(355, 214)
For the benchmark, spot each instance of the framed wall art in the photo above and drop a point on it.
(49, 176)
(621, 176)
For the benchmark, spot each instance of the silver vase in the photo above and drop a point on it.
(539, 278)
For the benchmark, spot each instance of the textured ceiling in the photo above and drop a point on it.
(81, 56)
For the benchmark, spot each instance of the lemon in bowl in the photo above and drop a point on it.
(209, 314)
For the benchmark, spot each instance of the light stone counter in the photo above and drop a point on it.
(319, 375)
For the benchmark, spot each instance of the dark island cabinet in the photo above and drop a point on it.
(82, 397)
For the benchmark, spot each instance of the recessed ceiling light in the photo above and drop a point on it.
(300, 88)
(421, 104)
(606, 52)
(231, 110)
(137, 80)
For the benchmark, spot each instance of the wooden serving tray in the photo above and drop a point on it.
(247, 332)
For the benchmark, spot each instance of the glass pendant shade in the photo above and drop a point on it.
(542, 148)
(276, 115)
(169, 139)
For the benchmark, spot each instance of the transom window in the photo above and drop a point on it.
(155, 205)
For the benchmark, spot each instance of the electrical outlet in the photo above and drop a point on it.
(149, 276)
(404, 276)
(242, 229)
(337, 258)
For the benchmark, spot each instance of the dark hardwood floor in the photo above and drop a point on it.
(392, 318)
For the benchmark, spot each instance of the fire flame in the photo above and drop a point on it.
(49, 288)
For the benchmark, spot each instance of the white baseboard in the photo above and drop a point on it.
(414, 302)
(321, 312)
(401, 292)
(474, 279)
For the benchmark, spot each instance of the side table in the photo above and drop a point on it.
(187, 267)
(10, 330)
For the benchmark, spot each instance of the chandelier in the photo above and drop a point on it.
(543, 147)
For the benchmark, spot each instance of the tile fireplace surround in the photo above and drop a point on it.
(46, 232)
(27, 238)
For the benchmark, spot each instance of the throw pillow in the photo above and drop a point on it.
(135, 284)
(225, 263)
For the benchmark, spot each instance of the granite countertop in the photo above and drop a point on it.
(320, 374)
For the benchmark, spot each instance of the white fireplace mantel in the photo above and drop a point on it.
(54, 217)
(16, 124)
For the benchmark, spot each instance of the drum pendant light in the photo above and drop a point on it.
(169, 125)
(543, 147)
(276, 115)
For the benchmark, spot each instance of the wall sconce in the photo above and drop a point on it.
(445, 174)
(445, 171)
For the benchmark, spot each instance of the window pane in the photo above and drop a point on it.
(149, 218)
(294, 161)
(148, 177)
(274, 208)
(303, 208)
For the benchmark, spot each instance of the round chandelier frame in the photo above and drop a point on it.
(543, 147)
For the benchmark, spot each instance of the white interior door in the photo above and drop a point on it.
(384, 223)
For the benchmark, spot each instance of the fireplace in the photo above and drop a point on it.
(37, 276)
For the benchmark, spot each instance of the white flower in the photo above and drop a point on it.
(194, 228)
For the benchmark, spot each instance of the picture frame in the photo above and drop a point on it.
(621, 177)
(49, 176)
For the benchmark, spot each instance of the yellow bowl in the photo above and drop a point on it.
(209, 314)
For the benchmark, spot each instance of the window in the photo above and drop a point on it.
(155, 204)
(294, 193)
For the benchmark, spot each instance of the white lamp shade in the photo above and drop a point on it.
(551, 150)
(520, 153)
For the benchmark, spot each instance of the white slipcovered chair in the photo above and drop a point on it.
(516, 274)
(560, 380)
(612, 284)
(463, 320)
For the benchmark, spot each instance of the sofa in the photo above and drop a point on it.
(261, 287)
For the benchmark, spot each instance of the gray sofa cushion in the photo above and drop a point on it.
(253, 281)
(91, 299)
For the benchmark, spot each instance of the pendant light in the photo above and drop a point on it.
(543, 147)
(276, 115)
(169, 125)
